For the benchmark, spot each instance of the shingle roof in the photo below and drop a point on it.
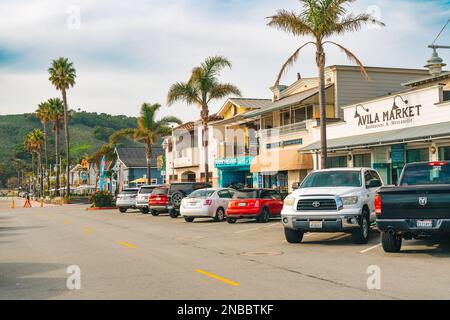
(135, 157)
(252, 103)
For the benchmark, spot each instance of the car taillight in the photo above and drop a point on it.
(437, 163)
(207, 202)
(378, 205)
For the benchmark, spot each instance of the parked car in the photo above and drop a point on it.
(418, 208)
(159, 201)
(259, 204)
(142, 199)
(180, 190)
(333, 200)
(127, 199)
(206, 203)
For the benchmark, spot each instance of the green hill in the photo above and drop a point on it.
(88, 132)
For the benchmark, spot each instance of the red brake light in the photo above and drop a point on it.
(208, 202)
(378, 205)
(437, 163)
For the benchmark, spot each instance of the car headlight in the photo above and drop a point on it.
(349, 201)
(289, 201)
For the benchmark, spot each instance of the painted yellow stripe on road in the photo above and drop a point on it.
(218, 278)
(88, 230)
(128, 245)
(66, 221)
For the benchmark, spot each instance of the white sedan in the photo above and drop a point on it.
(206, 203)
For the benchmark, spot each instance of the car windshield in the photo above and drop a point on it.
(425, 174)
(160, 191)
(146, 190)
(333, 179)
(129, 191)
(204, 193)
(246, 194)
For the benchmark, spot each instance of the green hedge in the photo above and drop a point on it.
(102, 199)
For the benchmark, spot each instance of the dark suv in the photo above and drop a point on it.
(178, 191)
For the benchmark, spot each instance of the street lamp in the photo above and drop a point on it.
(395, 106)
(357, 115)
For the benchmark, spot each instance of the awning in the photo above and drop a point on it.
(140, 180)
(390, 137)
(281, 160)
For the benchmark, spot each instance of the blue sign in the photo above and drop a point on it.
(102, 173)
(398, 153)
(233, 162)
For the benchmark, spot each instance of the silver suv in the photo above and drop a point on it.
(127, 199)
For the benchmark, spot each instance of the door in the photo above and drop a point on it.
(373, 183)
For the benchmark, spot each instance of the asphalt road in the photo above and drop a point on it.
(135, 256)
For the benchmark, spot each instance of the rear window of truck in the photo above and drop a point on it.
(426, 174)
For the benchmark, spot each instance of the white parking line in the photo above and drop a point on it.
(371, 248)
(247, 230)
(272, 225)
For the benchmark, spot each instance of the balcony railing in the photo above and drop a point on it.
(291, 128)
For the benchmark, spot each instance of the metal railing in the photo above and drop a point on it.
(291, 128)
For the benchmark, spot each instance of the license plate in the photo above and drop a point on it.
(158, 199)
(242, 204)
(193, 204)
(316, 224)
(424, 223)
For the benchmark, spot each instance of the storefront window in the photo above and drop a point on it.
(444, 153)
(418, 155)
(286, 117)
(337, 162)
(362, 161)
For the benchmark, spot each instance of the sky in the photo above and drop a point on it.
(130, 52)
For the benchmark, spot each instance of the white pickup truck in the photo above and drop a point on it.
(333, 200)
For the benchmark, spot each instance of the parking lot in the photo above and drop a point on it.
(135, 256)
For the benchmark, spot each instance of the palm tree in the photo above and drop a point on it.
(56, 115)
(149, 131)
(203, 87)
(321, 19)
(62, 76)
(43, 113)
(31, 148)
(34, 143)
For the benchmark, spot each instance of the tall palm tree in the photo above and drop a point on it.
(320, 20)
(203, 87)
(34, 143)
(56, 115)
(62, 76)
(149, 131)
(43, 113)
(30, 146)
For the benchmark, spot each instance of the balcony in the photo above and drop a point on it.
(280, 131)
(188, 157)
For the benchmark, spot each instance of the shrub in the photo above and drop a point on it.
(102, 199)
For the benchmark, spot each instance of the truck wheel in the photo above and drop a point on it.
(293, 236)
(173, 214)
(220, 215)
(361, 236)
(264, 217)
(122, 210)
(145, 210)
(155, 213)
(231, 220)
(189, 219)
(392, 243)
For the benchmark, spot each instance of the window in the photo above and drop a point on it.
(333, 179)
(269, 194)
(310, 112)
(362, 161)
(446, 95)
(377, 176)
(418, 155)
(224, 194)
(337, 162)
(444, 153)
(425, 174)
(154, 181)
(267, 123)
(299, 115)
(285, 117)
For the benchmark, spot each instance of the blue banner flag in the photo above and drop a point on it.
(102, 173)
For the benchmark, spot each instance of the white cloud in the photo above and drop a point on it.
(130, 52)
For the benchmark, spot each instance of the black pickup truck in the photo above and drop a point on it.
(418, 208)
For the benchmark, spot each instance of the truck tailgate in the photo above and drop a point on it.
(418, 202)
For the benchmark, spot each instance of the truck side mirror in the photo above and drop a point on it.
(296, 185)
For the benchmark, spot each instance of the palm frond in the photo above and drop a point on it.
(124, 133)
(223, 90)
(169, 120)
(62, 74)
(351, 57)
(292, 59)
(289, 21)
(182, 91)
(214, 64)
(353, 23)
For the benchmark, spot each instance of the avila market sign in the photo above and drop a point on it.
(393, 117)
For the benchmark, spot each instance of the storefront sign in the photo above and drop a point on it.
(398, 154)
(395, 116)
(283, 144)
(232, 162)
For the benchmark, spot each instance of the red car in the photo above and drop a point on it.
(159, 201)
(259, 204)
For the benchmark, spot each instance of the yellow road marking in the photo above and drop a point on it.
(66, 221)
(218, 278)
(88, 230)
(128, 245)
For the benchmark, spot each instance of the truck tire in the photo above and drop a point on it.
(264, 217)
(189, 219)
(361, 236)
(145, 210)
(293, 236)
(155, 213)
(122, 210)
(391, 242)
(173, 214)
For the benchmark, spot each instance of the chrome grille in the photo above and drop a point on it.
(317, 205)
